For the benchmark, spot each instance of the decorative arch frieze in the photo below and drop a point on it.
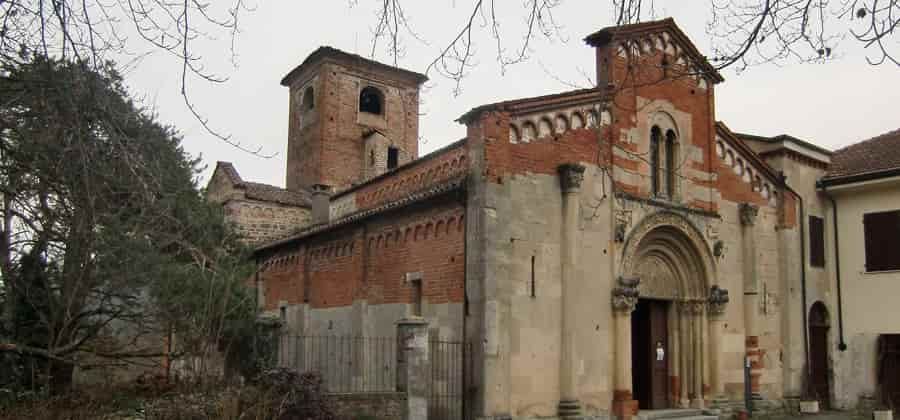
(530, 127)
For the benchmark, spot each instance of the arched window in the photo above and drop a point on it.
(671, 163)
(371, 101)
(655, 140)
(529, 132)
(309, 101)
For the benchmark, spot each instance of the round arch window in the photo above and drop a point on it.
(371, 101)
(308, 101)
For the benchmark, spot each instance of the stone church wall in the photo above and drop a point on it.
(518, 211)
(359, 280)
(515, 218)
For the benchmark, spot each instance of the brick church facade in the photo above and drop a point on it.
(607, 250)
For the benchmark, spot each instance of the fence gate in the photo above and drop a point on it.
(451, 370)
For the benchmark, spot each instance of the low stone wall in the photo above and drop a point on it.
(368, 406)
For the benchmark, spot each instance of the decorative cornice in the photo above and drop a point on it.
(570, 177)
(625, 295)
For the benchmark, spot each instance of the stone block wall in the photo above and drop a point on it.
(260, 221)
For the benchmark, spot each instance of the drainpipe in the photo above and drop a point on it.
(467, 351)
(802, 283)
(842, 346)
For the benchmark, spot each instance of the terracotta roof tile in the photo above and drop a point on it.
(273, 194)
(877, 154)
(336, 54)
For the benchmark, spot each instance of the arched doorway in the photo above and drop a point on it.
(669, 333)
(819, 325)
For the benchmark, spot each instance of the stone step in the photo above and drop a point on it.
(674, 413)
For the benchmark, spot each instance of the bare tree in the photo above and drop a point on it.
(100, 30)
(745, 32)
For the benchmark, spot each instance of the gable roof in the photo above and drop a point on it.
(872, 158)
(260, 191)
(614, 33)
(326, 52)
(782, 138)
(571, 97)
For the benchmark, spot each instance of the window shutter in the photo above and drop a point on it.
(882, 240)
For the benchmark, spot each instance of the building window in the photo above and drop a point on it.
(816, 241)
(393, 157)
(882, 237)
(309, 101)
(371, 101)
(671, 163)
(655, 137)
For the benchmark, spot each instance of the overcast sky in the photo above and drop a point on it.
(832, 105)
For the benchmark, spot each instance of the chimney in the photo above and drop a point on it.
(321, 204)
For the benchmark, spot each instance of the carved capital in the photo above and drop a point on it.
(570, 176)
(748, 213)
(625, 294)
(718, 299)
(691, 307)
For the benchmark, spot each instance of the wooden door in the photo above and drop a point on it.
(818, 353)
(659, 355)
(650, 354)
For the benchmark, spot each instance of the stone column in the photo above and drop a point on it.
(685, 341)
(413, 368)
(718, 299)
(751, 292)
(675, 354)
(570, 177)
(624, 299)
(697, 354)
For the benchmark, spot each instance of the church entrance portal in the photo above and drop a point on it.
(649, 346)
(671, 364)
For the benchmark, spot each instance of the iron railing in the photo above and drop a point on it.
(347, 364)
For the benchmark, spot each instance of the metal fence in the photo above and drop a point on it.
(347, 364)
(451, 370)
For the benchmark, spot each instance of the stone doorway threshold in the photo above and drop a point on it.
(675, 413)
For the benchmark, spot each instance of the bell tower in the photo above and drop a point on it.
(350, 119)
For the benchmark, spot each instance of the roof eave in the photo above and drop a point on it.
(325, 53)
(830, 181)
(608, 34)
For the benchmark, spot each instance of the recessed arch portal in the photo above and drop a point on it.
(669, 329)
(671, 238)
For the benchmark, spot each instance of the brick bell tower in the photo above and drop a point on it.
(350, 119)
